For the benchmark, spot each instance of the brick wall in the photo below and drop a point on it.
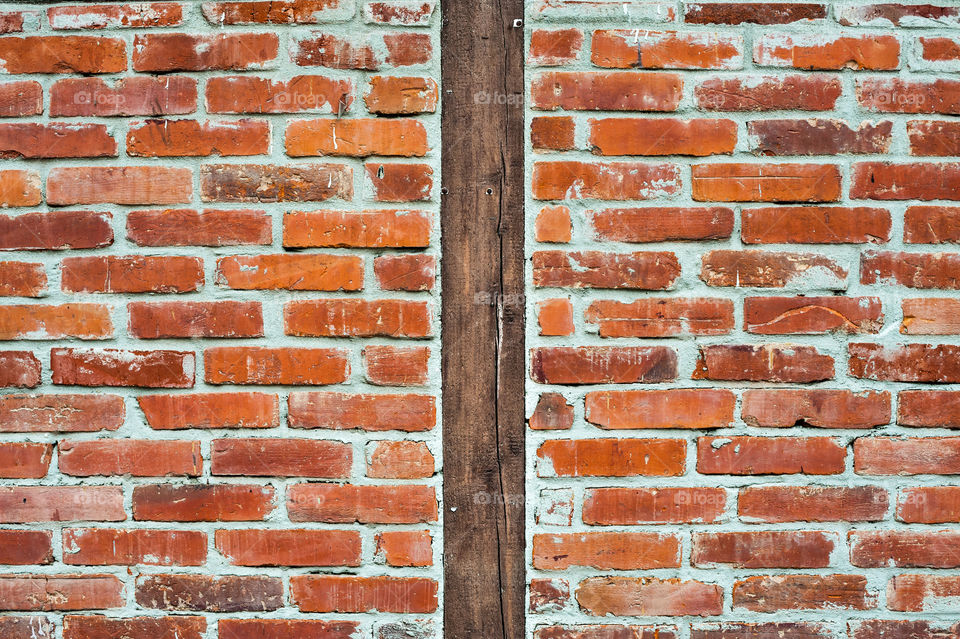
(220, 363)
(743, 326)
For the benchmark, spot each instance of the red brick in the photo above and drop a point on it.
(916, 270)
(631, 506)
(396, 366)
(818, 137)
(674, 408)
(766, 182)
(63, 54)
(210, 410)
(287, 366)
(22, 627)
(21, 98)
(905, 363)
(20, 188)
(933, 138)
(415, 14)
(663, 136)
(346, 594)
(648, 596)
(356, 138)
(596, 269)
(771, 269)
(43, 321)
(815, 225)
(12, 21)
(902, 456)
(812, 315)
(554, 47)
(661, 317)
(766, 363)
(165, 52)
(363, 52)
(777, 504)
(131, 274)
(399, 460)
(286, 628)
(271, 12)
(549, 595)
(630, 48)
(628, 91)
(599, 10)
(555, 317)
(272, 183)
(152, 320)
(112, 547)
(603, 365)
(291, 272)
(553, 225)
(931, 225)
(743, 455)
(741, 630)
(933, 316)
(390, 95)
(400, 182)
(380, 412)
(769, 93)
(99, 627)
(187, 227)
(23, 548)
(137, 458)
(60, 413)
(894, 95)
(245, 94)
(763, 549)
(32, 140)
(903, 549)
(24, 460)
(939, 49)
(662, 224)
(346, 503)
(753, 13)
(34, 504)
(902, 629)
(405, 272)
(111, 367)
(611, 458)
(203, 593)
(923, 593)
(817, 408)
(552, 412)
(290, 547)
(134, 95)
(390, 228)
(405, 548)
(358, 318)
(929, 505)
(819, 52)
(166, 138)
(932, 409)
(19, 369)
(61, 592)
(22, 279)
(124, 16)
(606, 550)
(552, 133)
(262, 457)
(202, 502)
(897, 14)
(803, 592)
(119, 185)
(603, 181)
(922, 181)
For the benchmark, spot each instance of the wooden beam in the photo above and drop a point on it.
(482, 319)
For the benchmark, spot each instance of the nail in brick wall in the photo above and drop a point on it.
(743, 360)
(219, 376)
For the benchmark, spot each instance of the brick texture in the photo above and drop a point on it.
(219, 319)
(742, 277)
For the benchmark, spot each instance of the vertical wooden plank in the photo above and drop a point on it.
(482, 318)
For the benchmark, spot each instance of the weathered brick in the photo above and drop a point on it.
(555, 317)
(596, 269)
(552, 412)
(274, 12)
(920, 181)
(100, 627)
(290, 547)
(552, 133)
(766, 182)
(20, 188)
(401, 95)
(602, 365)
(124, 16)
(23, 548)
(358, 318)
(380, 412)
(924, 363)
(49, 322)
(56, 140)
(203, 593)
(744, 455)
(611, 457)
(34, 504)
(771, 269)
(606, 550)
(769, 93)
(154, 320)
(818, 408)
(21, 98)
(137, 458)
(19, 369)
(128, 185)
(766, 363)
(630, 136)
(661, 317)
(62, 54)
(629, 48)
(270, 183)
(202, 502)
(166, 52)
(918, 456)
(600, 596)
(210, 410)
(22, 279)
(903, 549)
(931, 225)
(675, 408)
(628, 91)
(24, 460)
(631, 506)
(935, 409)
(263, 457)
(753, 13)
(399, 460)
(113, 547)
(112, 367)
(187, 227)
(818, 137)
(923, 593)
(405, 547)
(390, 228)
(815, 225)
(405, 272)
(803, 592)
(356, 137)
(291, 272)
(895, 95)
(395, 182)
(775, 504)
(131, 274)
(133, 95)
(554, 47)
(52, 592)
(929, 505)
(824, 52)
(264, 365)
(174, 138)
(347, 594)
(60, 413)
(763, 549)
(284, 628)
(812, 315)
(246, 94)
(396, 366)
(604, 181)
(662, 224)
(346, 503)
